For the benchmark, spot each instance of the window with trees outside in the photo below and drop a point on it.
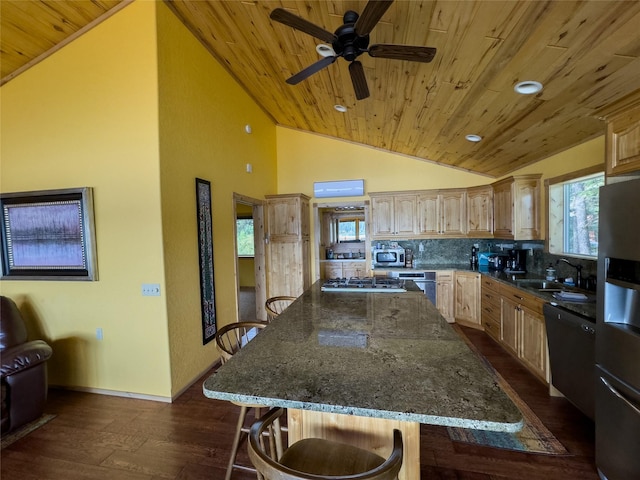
(351, 230)
(244, 240)
(573, 215)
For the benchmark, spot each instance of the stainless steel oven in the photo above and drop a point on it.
(426, 281)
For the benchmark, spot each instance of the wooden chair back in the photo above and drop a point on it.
(232, 337)
(317, 456)
(276, 305)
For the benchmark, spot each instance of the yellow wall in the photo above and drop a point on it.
(203, 113)
(137, 109)
(585, 155)
(88, 116)
(304, 158)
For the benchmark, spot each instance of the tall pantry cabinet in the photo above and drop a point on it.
(287, 245)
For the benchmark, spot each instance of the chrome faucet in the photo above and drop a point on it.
(578, 269)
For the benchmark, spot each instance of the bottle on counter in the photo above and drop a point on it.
(550, 273)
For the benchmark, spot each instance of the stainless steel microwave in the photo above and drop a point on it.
(388, 257)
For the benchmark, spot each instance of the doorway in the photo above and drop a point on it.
(325, 216)
(250, 258)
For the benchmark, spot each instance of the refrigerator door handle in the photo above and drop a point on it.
(619, 395)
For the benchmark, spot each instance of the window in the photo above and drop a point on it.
(351, 230)
(244, 241)
(573, 215)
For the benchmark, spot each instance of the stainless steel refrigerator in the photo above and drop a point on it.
(617, 379)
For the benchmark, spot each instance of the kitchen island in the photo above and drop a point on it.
(353, 366)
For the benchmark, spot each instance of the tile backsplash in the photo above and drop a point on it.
(458, 251)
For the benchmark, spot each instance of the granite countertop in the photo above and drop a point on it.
(527, 283)
(354, 259)
(520, 280)
(385, 355)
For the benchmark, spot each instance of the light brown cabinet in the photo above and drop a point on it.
(623, 136)
(444, 294)
(516, 208)
(523, 329)
(480, 211)
(442, 213)
(491, 305)
(354, 269)
(467, 299)
(393, 215)
(333, 270)
(344, 269)
(287, 235)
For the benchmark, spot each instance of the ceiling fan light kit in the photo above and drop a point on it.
(350, 41)
(528, 87)
(325, 50)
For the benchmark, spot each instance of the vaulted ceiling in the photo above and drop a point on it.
(585, 53)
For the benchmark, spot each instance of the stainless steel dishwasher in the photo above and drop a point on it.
(572, 355)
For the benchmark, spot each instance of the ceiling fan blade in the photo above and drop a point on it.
(283, 16)
(403, 52)
(310, 70)
(359, 80)
(371, 15)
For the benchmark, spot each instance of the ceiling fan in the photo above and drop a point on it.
(350, 41)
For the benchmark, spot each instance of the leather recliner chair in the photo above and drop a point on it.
(23, 369)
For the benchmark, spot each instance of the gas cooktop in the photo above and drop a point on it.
(365, 284)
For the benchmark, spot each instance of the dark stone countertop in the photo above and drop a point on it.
(385, 355)
(524, 281)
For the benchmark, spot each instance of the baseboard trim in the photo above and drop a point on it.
(116, 393)
(141, 396)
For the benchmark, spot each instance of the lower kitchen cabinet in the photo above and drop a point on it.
(533, 347)
(467, 299)
(345, 269)
(490, 307)
(509, 331)
(523, 330)
(444, 294)
(333, 270)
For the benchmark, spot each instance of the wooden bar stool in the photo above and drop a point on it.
(230, 339)
(319, 459)
(276, 305)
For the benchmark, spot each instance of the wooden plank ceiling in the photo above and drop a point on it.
(586, 53)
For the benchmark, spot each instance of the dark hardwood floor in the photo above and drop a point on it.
(103, 437)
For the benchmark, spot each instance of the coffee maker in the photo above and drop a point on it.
(517, 262)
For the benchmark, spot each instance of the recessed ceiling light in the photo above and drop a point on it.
(473, 137)
(325, 50)
(528, 87)
(340, 108)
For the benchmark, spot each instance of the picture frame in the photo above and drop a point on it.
(205, 254)
(48, 235)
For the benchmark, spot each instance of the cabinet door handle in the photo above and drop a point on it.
(615, 391)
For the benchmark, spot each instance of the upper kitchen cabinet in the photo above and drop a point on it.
(480, 211)
(393, 215)
(623, 136)
(516, 208)
(442, 213)
(288, 254)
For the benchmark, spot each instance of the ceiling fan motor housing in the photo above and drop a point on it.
(349, 44)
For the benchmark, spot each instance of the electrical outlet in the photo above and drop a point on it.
(99, 335)
(150, 289)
